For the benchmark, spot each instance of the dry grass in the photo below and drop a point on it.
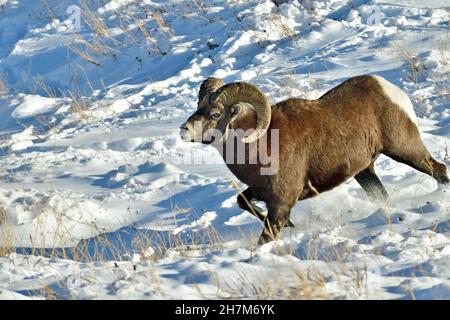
(5, 234)
(154, 246)
(283, 280)
(417, 68)
(3, 87)
(85, 55)
(134, 26)
(284, 30)
(297, 285)
(79, 103)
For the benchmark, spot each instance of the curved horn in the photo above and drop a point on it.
(209, 85)
(233, 93)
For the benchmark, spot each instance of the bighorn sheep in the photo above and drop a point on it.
(322, 143)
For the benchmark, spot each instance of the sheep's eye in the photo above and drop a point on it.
(214, 116)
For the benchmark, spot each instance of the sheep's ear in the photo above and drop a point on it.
(234, 111)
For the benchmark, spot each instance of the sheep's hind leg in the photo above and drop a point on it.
(428, 165)
(244, 202)
(371, 184)
(406, 146)
(420, 159)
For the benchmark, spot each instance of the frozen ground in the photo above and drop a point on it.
(101, 199)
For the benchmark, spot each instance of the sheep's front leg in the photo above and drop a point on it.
(244, 202)
(277, 218)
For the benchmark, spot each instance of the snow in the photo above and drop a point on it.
(100, 198)
(398, 97)
(32, 106)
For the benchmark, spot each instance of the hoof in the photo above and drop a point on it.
(443, 179)
(290, 224)
(441, 174)
(264, 239)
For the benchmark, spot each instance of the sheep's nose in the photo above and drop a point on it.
(184, 133)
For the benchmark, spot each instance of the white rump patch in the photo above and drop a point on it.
(398, 97)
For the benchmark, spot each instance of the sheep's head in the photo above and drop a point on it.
(219, 105)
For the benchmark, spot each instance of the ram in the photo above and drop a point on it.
(322, 143)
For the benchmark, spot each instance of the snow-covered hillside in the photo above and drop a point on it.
(100, 198)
